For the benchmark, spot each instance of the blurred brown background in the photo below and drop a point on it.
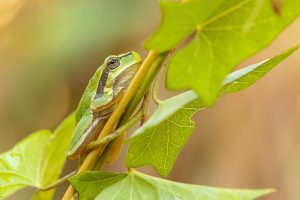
(50, 49)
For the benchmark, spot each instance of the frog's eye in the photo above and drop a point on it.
(113, 63)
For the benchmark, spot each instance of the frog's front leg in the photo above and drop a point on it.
(105, 102)
(101, 102)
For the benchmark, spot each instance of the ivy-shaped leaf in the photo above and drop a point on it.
(138, 186)
(224, 33)
(90, 184)
(158, 141)
(36, 161)
(54, 156)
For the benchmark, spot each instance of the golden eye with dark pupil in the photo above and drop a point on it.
(113, 63)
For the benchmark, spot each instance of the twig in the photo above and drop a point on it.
(58, 182)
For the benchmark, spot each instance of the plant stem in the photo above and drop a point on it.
(58, 182)
(145, 85)
(156, 86)
(160, 76)
(145, 106)
(114, 118)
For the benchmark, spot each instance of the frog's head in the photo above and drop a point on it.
(118, 72)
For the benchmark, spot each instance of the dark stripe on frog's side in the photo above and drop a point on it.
(102, 82)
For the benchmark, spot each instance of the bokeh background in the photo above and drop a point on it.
(49, 49)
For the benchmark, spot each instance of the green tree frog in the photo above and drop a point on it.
(100, 98)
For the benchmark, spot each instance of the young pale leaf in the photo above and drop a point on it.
(160, 139)
(138, 186)
(224, 33)
(36, 161)
(54, 156)
(243, 78)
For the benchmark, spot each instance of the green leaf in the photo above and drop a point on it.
(36, 161)
(158, 141)
(90, 184)
(19, 167)
(224, 33)
(161, 138)
(54, 156)
(245, 77)
(138, 186)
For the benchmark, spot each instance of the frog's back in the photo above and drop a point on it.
(88, 95)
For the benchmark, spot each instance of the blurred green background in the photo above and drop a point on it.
(50, 49)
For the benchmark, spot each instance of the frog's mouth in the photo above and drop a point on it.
(123, 80)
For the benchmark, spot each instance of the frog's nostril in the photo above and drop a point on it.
(127, 54)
